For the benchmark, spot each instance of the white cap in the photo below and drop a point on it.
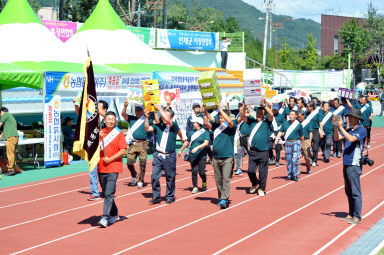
(198, 120)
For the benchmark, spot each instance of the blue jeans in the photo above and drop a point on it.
(94, 182)
(353, 189)
(239, 157)
(168, 165)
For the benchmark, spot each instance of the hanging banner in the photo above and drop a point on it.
(186, 40)
(183, 88)
(52, 131)
(146, 35)
(62, 29)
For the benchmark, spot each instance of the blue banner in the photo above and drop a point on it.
(186, 40)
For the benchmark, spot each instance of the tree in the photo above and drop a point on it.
(285, 55)
(311, 56)
(356, 42)
(375, 25)
(84, 9)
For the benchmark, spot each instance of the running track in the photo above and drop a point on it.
(53, 216)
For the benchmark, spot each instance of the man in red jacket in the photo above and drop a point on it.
(113, 148)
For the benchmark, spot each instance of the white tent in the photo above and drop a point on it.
(110, 42)
(24, 37)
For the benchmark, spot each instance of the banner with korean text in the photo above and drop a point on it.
(52, 131)
(187, 40)
(62, 29)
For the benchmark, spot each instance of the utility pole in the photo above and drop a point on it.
(270, 29)
(267, 6)
(139, 15)
(165, 14)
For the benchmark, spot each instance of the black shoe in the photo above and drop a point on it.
(295, 179)
(270, 162)
(155, 200)
(170, 200)
(10, 173)
(326, 160)
(288, 178)
(308, 170)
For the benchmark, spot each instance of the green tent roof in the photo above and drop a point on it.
(103, 17)
(18, 11)
(12, 76)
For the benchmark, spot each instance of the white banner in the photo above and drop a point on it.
(52, 131)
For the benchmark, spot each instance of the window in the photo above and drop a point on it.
(336, 44)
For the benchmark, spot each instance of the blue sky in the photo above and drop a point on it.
(312, 9)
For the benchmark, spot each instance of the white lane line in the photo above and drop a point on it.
(50, 181)
(70, 177)
(137, 213)
(287, 215)
(61, 238)
(131, 215)
(216, 213)
(63, 193)
(346, 230)
(84, 206)
(40, 183)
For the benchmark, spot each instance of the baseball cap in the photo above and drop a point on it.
(197, 120)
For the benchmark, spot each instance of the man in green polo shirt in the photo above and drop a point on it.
(136, 138)
(307, 133)
(326, 131)
(259, 130)
(165, 156)
(223, 151)
(11, 136)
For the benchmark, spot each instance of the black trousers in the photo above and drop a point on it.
(108, 186)
(258, 160)
(278, 149)
(315, 144)
(198, 166)
(224, 58)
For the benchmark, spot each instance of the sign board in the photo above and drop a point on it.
(186, 40)
(52, 131)
(62, 29)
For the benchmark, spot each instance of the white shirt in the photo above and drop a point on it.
(224, 45)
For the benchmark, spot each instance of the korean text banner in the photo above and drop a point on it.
(186, 90)
(186, 40)
(146, 35)
(52, 131)
(62, 29)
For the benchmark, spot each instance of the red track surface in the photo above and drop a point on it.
(293, 218)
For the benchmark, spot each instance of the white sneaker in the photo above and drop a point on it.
(195, 190)
(313, 164)
(261, 193)
(133, 181)
(368, 146)
(140, 185)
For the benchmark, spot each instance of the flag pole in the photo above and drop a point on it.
(102, 138)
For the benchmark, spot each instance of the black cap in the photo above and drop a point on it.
(67, 119)
(355, 113)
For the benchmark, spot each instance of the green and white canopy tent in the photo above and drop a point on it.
(111, 43)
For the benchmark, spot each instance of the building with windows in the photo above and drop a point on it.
(330, 38)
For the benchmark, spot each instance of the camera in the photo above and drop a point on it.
(365, 160)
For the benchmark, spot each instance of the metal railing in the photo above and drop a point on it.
(258, 64)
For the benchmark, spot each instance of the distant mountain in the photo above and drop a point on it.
(294, 30)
